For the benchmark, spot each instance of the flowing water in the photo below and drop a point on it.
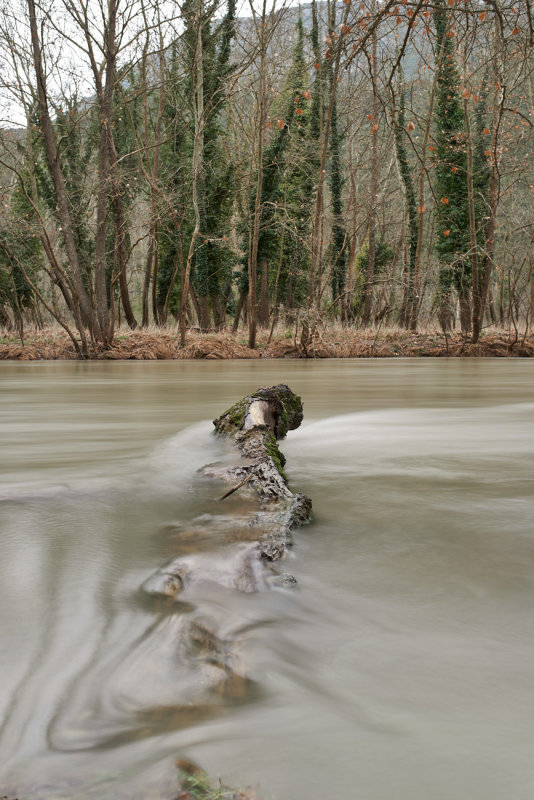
(400, 668)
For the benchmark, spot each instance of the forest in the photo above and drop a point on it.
(199, 166)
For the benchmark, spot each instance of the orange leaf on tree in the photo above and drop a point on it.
(445, 201)
(421, 209)
(447, 232)
(455, 169)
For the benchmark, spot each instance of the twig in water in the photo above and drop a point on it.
(239, 485)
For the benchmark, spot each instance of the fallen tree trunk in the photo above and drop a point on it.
(254, 424)
(234, 551)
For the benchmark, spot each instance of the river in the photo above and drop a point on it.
(399, 668)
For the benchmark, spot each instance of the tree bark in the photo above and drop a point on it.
(198, 149)
(122, 256)
(52, 156)
(375, 167)
(256, 219)
(105, 99)
(263, 317)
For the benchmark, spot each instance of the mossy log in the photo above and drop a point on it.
(254, 424)
(233, 551)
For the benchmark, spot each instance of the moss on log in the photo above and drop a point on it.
(255, 424)
(281, 409)
(236, 552)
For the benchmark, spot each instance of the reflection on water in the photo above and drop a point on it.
(399, 668)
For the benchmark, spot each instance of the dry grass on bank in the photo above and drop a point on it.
(334, 342)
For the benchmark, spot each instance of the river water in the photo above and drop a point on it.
(400, 668)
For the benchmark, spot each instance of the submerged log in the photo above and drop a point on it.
(231, 551)
(254, 425)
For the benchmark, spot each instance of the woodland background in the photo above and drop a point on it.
(203, 166)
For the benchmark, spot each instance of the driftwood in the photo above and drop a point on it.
(254, 424)
(231, 551)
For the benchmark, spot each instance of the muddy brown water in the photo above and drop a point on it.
(401, 668)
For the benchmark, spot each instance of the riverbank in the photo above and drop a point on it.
(154, 344)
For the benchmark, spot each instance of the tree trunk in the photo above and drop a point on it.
(256, 219)
(263, 316)
(475, 317)
(198, 166)
(239, 308)
(316, 238)
(208, 652)
(105, 100)
(5, 319)
(205, 319)
(122, 256)
(218, 309)
(146, 281)
(494, 189)
(52, 158)
(254, 425)
(375, 167)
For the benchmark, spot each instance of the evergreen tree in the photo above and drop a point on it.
(286, 189)
(338, 250)
(20, 255)
(212, 260)
(408, 313)
(452, 234)
(175, 156)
